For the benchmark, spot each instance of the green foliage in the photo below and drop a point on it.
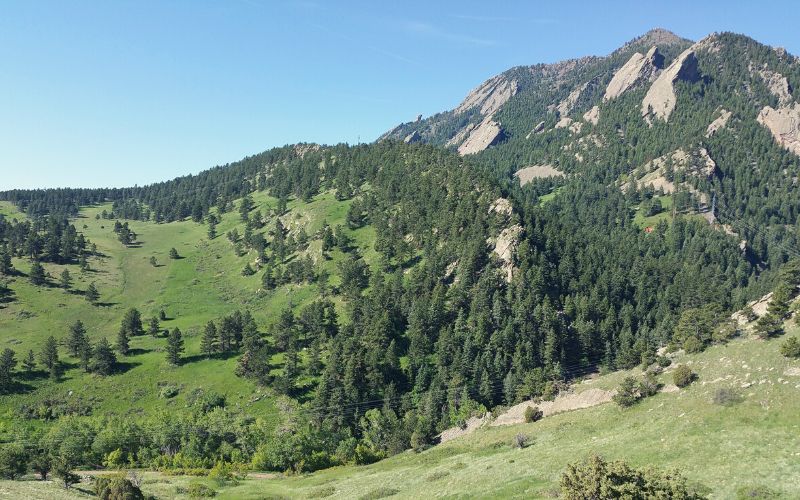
(200, 490)
(791, 347)
(174, 347)
(597, 478)
(533, 414)
(116, 487)
(628, 392)
(682, 376)
(13, 461)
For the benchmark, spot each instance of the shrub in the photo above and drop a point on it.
(116, 487)
(114, 459)
(692, 345)
(791, 347)
(726, 396)
(222, 473)
(13, 461)
(200, 490)
(520, 441)
(628, 392)
(683, 376)
(596, 478)
(168, 391)
(323, 492)
(533, 414)
(663, 361)
(649, 386)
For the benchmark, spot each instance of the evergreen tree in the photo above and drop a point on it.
(92, 295)
(208, 343)
(103, 358)
(65, 280)
(76, 340)
(174, 347)
(154, 328)
(153, 261)
(49, 358)
(132, 322)
(173, 254)
(37, 274)
(29, 363)
(85, 356)
(5, 261)
(123, 341)
(7, 364)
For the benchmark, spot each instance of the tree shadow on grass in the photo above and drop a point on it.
(138, 351)
(124, 366)
(200, 357)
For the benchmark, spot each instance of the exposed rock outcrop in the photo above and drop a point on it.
(537, 129)
(501, 206)
(719, 123)
(660, 99)
(778, 85)
(505, 246)
(593, 115)
(566, 106)
(564, 122)
(412, 137)
(784, 124)
(490, 95)
(481, 137)
(638, 69)
(528, 174)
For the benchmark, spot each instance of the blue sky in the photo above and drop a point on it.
(131, 92)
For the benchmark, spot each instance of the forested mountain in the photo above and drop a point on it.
(564, 219)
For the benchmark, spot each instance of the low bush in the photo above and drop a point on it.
(683, 376)
(758, 492)
(533, 414)
(116, 487)
(520, 441)
(200, 490)
(791, 347)
(726, 396)
(596, 478)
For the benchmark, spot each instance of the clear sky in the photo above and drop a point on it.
(114, 93)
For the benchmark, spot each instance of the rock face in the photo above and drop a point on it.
(481, 137)
(593, 115)
(784, 124)
(778, 85)
(490, 95)
(505, 247)
(719, 123)
(660, 99)
(537, 129)
(567, 105)
(638, 69)
(412, 137)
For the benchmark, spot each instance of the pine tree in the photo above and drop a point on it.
(103, 358)
(37, 275)
(154, 328)
(132, 322)
(85, 356)
(76, 340)
(92, 295)
(174, 347)
(49, 358)
(65, 280)
(29, 363)
(5, 261)
(173, 254)
(123, 341)
(7, 364)
(153, 261)
(83, 263)
(208, 344)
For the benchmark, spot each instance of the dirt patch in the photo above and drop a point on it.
(528, 174)
(564, 402)
(471, 425)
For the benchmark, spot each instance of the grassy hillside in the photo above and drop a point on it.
(727, 448)
(205, 283)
